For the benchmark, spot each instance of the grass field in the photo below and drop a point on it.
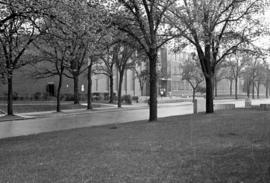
(226, 147)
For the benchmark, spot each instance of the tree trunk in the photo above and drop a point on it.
(89, 88)
(266, 86)
(231, 83)
(153, 86)
(236, 87)
(133, 83)
(119, 103)
(111, 89)
(209, 95)
(126, 92)
(209, 74)
(266, 89)
(253, 89)
(248, 89)
(76, 89)
(193, 94)
(58, 102)
(258, 89)
(10, 94)
(141, 88)
(216, 86)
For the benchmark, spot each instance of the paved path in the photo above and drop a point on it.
(241, 102)
(62, 121)
(48, 121)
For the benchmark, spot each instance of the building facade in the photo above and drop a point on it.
(27, 87)
(170, 82)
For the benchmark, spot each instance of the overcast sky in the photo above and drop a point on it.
(265, 40)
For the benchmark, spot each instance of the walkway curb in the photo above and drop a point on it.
(72, 112)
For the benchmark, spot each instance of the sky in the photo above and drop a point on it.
(265, 40)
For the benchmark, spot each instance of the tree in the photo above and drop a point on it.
(236, 64)
(76, 27)
(77, 65)
(52, 57)
(192, 74)
(267, 78)
(91, 61)
(123, 61)
(216, 29)
(14, 9)
(93, 57)
(247, 75)
(260, 78)
(140, 69)
(83, 22)
(220, 73)
(229, 76)
(251, 72)
(144, 22)
(100, 33)
(105, 66)
(21, 24)
(75, 32)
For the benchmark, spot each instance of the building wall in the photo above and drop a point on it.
(26, 86)
(169, 63)
(177, 87)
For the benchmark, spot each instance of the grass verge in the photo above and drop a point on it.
(229, 146)
(42, 106)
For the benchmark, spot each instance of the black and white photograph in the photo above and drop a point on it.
(134, 91)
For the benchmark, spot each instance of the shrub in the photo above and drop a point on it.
(15, 96)
(126, 99)
(67, 97)
(37, 96)
(115, 97)
(201, 89)
(106, 96)
(45, 96)
(96, 96)
(82, 96)
(135, 98)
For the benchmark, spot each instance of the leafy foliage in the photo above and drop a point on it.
(191, 71)
(216, 29)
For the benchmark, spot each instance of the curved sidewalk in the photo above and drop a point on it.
(47, 122)
(34, 123)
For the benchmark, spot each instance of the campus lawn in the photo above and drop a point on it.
(229, 146)
(38, 106)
